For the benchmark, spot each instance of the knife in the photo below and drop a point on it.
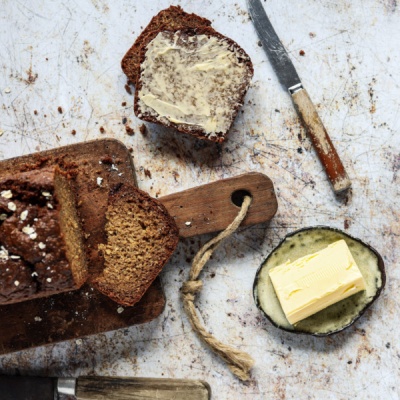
(305, 108)
(101, 388)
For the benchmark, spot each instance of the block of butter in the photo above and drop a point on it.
(316, 281)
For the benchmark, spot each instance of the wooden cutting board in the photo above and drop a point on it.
(71, 315)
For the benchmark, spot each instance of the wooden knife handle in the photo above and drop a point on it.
(211, 207)
(108, 388)
(321, 141)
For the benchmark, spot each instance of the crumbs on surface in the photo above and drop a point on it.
(73, 132)
(102, 130)
(128, 89)
(143, 129)
(60, 110)
(129, 130)
(302, 52)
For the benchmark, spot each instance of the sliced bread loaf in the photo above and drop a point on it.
(171, 17)
(41, 246)
(192, 79)
(141, 237)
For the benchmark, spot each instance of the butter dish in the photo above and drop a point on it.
(335, 317)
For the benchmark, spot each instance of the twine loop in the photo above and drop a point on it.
(239, 362)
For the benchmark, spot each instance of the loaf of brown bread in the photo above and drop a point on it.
(141, 237)
(41, 248)
(172, 17)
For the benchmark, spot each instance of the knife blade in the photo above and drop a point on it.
(101, 388)
(289, 78)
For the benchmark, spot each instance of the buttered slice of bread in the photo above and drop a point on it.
(170, 18)
(192, 79)
(141, 237)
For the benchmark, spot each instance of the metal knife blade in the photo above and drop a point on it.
(276, 53)
(289, 78)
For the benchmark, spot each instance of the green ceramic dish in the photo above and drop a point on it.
(338, 316)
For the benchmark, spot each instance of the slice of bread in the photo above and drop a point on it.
(192, 79)
(141, 237)
(171, 17)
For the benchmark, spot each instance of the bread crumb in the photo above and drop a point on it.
(147, 173)
(143, 129)
(129, 130)
(35, 112)
(60, 110)
(73, 132)
(123, 104)
(38, 319)
(11, 206)
(120, 310)
(302, 52)
(102, 130)
(128, 89)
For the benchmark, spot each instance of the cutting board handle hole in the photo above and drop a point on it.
(238, 196)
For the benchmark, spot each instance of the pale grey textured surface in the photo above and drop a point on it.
(67, 54)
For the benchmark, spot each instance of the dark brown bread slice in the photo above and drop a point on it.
(141, 237)
(41, 248)
(171, 17)
(215, 96)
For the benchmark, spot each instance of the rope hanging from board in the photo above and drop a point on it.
(239, 362)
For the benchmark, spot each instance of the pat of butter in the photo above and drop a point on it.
(316, 281)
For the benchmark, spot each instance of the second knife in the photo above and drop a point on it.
(289, 78)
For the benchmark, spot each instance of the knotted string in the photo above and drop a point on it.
(239, 362)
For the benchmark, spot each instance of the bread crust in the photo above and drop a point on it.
(219, 136)
(122, 292)
(171, 17)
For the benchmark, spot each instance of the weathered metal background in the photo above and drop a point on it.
(67, 54)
